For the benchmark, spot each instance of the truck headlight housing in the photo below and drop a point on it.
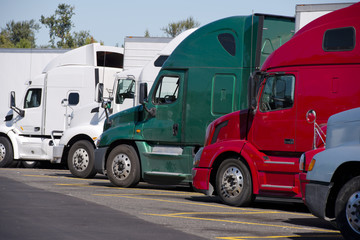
(302, 162)
(197, 157)
(97, 141)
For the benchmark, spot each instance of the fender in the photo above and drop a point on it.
(92, 131)
(328, 161)
(11, 133)
(242, 147)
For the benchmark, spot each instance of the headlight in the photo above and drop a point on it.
(97, 141)
(302, 162)
(197, 157)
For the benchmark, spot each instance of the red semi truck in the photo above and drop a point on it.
(256, 151)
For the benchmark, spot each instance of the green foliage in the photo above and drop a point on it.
(175, 28)
(19, 34)
(147, 33)
(60, 25)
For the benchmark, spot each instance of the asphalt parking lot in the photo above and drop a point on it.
(155, 211)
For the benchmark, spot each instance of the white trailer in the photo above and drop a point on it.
(17, 66)
(305, 13)
(138, 51)
(76, 146)
(67, 83)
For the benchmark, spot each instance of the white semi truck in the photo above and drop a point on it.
(19, 65)
(76, 146)
(34, 126)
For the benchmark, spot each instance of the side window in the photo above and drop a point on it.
(339, 39)
(167, 91)
(278, 93)
(33, 98)
(160, 60)
(109, 59)
(227, 40)
(74, 98)
(125, 89)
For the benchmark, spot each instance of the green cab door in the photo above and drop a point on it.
(167, 99)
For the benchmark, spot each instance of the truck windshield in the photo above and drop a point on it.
(278, 93)
(125, 89)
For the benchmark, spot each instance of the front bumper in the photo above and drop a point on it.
(316, 197)
(201, 181)
(100, 154)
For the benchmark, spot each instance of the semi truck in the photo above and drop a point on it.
(205, 77)
(18, 66)
(256, 151)
(67, 83)
(76, 145)
(333, 190)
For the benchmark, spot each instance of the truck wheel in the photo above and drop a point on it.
(233, 183)
(81, 159)
(347, 209)
(6, 153)
(123, 166)
(30, 164)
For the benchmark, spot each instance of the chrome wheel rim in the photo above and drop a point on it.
(232, 182)
(353, 212)
(121, 166)
(80, 159)
(2, 152)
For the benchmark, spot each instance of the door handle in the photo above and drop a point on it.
(175, 129)
(36, 129)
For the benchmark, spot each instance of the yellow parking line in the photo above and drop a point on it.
(70, 178)
(219, 213)
(276, 237)
(125, 195)
(245, 223)
(169, 201)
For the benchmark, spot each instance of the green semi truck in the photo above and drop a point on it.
(204, 78)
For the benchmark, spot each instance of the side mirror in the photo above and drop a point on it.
(64, 102)
(99, 92)
(319, 134)
(12, 102)
(143, 93)
(311, 116)
(12, 105)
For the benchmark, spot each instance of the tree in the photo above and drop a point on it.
(175, 28)
(147, 33)
(60, 25)
(19, 34)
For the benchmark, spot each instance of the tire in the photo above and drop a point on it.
(6, 153)
(81, 159)
(123, 166)
(30, 164)
(233, 183)
(347, 210)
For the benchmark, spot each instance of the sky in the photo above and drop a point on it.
(110, 21)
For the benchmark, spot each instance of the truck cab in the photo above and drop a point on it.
(256, 151)
(205, 77)
(67, 83)
(76, 145)
(333, 188)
